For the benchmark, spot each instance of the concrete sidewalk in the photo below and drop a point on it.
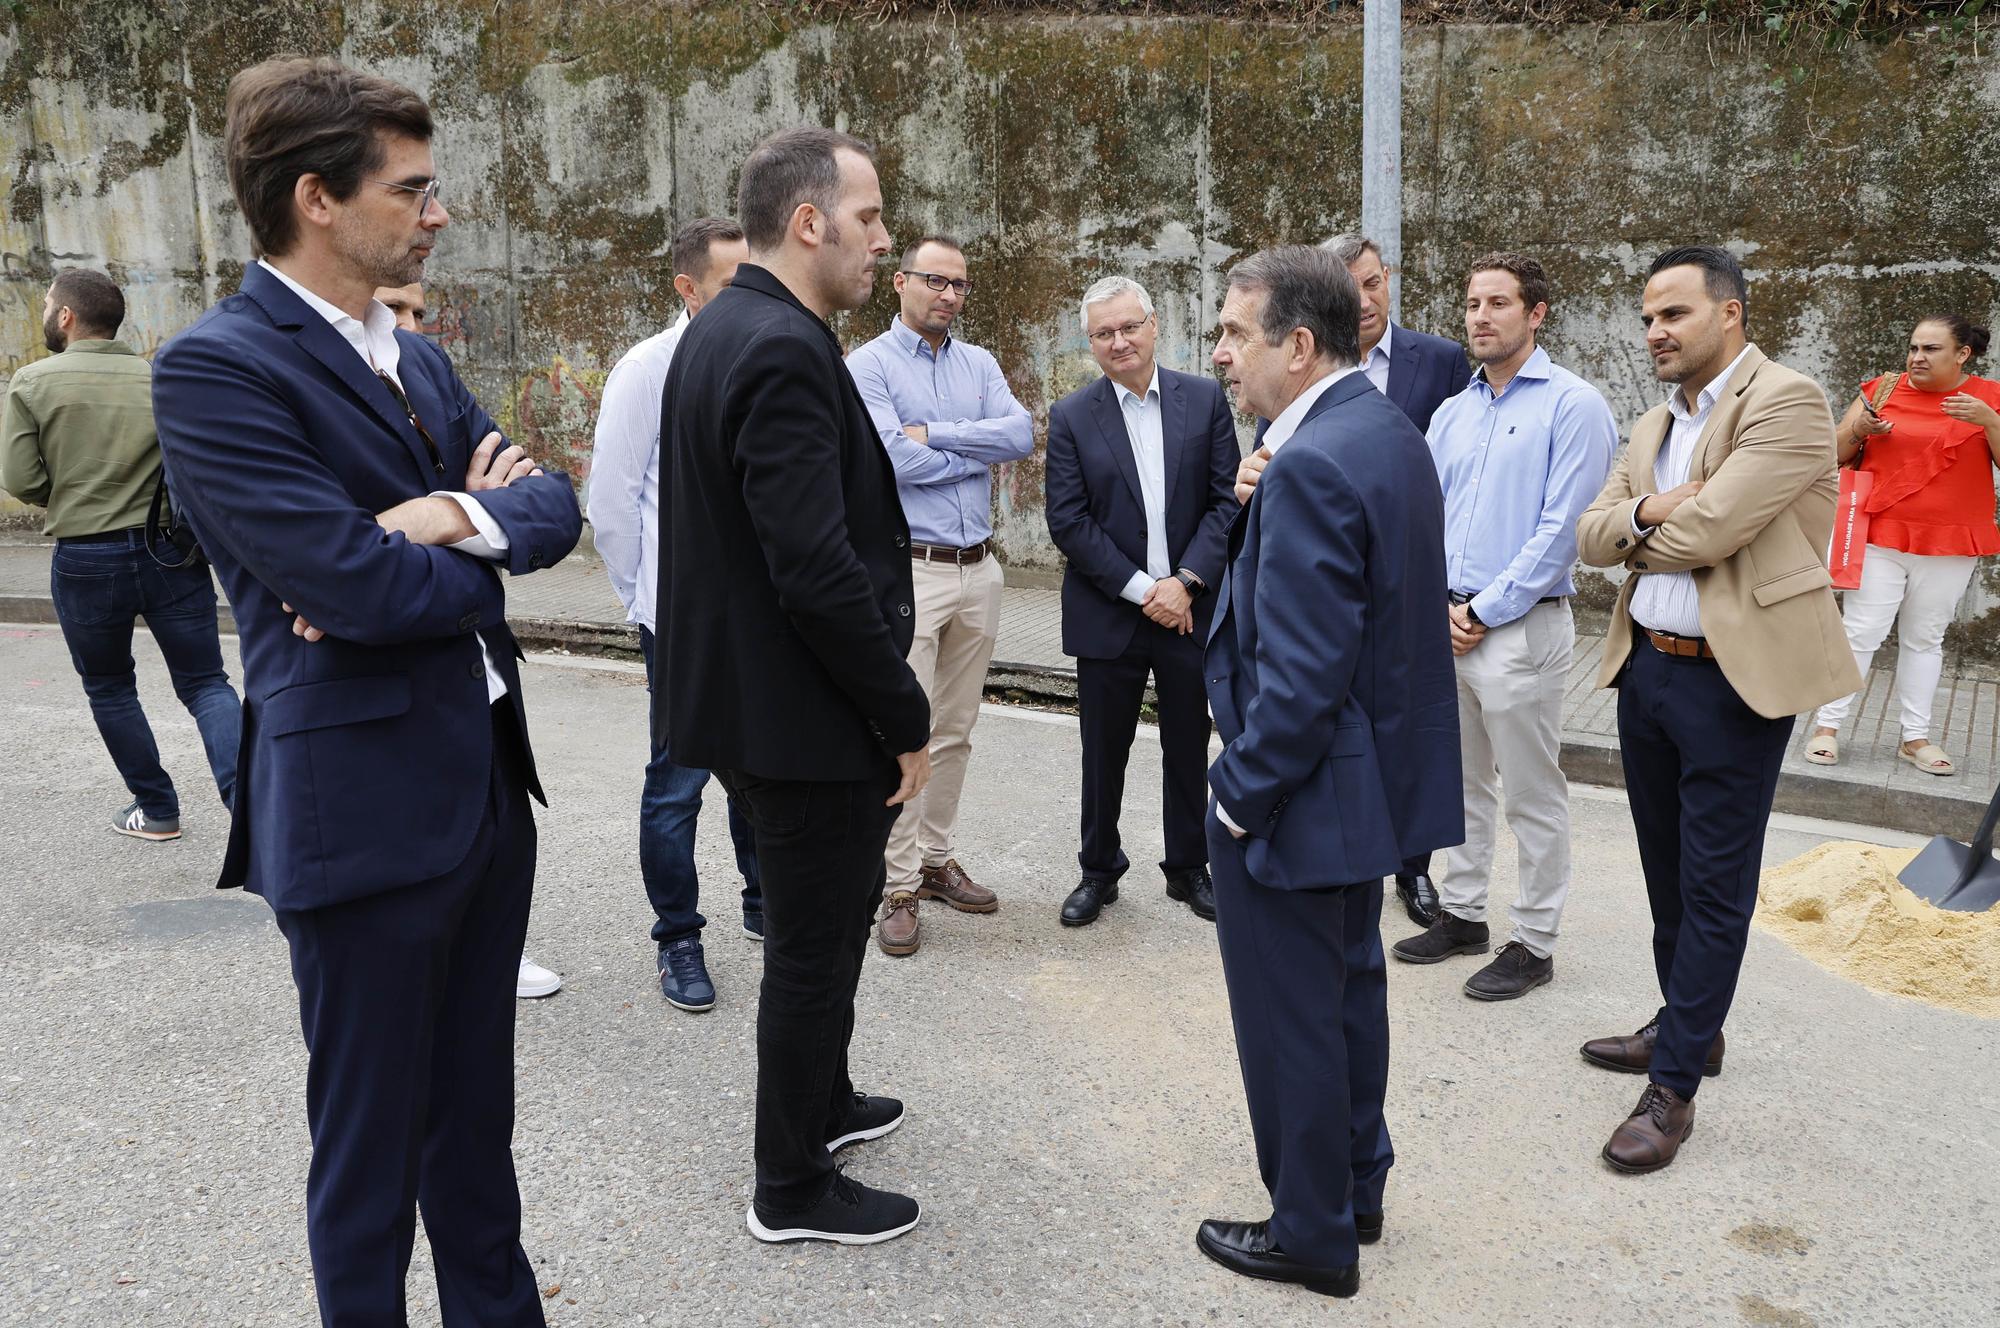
(571, 607)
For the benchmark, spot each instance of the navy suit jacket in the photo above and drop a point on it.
(1329, 669)
(1424, 373)
(1097, 516)
(367, 757)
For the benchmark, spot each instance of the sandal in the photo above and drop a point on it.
(1929, 758)
(1823, 749)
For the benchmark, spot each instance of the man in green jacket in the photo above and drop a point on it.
(76, 437)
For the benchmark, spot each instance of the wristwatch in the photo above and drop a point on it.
(1473, 614)
(1191, 581)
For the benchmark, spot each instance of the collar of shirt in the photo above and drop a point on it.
(1384, 348)
(912, 342)
(1126, 394)
(680, 322)
(98, 346)
(373, 336)
(1537, 365)
(1292, 416)
(1677, 405)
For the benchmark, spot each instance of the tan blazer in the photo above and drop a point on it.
(1755, 539)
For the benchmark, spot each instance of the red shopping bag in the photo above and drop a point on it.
(1850, 528)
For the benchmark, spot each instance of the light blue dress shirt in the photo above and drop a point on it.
(958, 395)
(1517, 471)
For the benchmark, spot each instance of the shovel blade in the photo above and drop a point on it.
(1935, 875)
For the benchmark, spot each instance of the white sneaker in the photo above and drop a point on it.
(535, 981)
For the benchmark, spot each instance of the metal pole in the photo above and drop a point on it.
(1382, 137)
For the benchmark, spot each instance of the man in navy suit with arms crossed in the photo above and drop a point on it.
(358, 504)
(1330, 676)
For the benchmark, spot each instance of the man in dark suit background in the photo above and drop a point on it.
(784, 614)
(1419, 372)
(1139, 470)
(381, 801)
(1329, 671)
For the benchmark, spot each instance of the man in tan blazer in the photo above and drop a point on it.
(1721, 508)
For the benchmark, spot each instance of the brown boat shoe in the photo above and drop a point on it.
(1652, 1135)
(897, 933)
(949, 882)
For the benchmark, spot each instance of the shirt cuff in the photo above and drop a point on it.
(1637, 529)
(491, 543)
(1135, 589)
(1227, 820)
(1490, 609)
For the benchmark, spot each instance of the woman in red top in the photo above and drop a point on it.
(1932, 451)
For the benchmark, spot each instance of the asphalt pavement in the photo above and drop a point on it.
(1075, 1107)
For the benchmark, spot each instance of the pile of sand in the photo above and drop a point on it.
(1841, 907)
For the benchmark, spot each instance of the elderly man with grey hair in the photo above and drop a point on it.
(1139, 472)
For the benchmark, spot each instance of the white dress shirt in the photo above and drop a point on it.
(1275, 437)
(624, 505)
(1376, 365)
(1670, 601)
(1143, 431)
(374, 340)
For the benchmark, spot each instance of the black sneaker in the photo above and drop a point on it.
(868, 1118)
(850, 1214)
(133, 821)
(753, 924)
(1514, 972)
(1449, 935)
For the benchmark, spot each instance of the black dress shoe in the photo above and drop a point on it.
(1087, 901)
(1368, 1227)
(1193, 888)
(1247, 1248)
(1420, 898)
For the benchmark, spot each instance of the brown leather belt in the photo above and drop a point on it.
(1687, 647)
(945, 553)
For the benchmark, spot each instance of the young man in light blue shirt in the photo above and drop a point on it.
(946, 416)
(1520, 453)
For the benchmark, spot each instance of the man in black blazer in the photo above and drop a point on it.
(1139, 471)
(1419, 372)
(784, 615)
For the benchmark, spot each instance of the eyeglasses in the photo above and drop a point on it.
(429, 192)
(430, 443)
(1104, 336)
(959, 285)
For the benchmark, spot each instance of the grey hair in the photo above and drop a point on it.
(1110, 288)
(1348, 248)
(1305, 287)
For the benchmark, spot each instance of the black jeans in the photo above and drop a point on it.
(99, 590)
(1701, 769)
(819, 845)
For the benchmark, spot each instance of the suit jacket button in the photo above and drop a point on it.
(902, 610)
(535, 559)
(477, 670)
(468, 622)
(1640, 566)
(902, 542)
(1623, 543)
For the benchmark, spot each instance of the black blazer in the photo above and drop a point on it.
(1097, 516)
(1424, 373)
(785, 602)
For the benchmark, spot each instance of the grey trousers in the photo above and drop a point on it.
(1510, 693)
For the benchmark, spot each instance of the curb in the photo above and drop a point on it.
(1586, 759)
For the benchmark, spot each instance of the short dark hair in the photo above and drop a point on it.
(1721, 273)
(1963, 330)
(693, 248)
(94, 298)
(791, 167)
(295, 116)
(1527, 273)
(1305, 286)
(910, 254)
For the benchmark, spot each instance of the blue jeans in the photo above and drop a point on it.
(99, 590)
(668, 805)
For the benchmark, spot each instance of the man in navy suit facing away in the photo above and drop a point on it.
(1330, 676)
(1419, 372)
(358, 505)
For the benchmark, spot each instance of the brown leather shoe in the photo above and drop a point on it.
(1634, 1054)
(897, 933)
(950, 883)
(1652, 1136)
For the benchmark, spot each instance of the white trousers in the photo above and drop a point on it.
(1919, 593)
(1510, 695)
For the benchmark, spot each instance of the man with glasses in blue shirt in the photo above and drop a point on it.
(947, 418)
(1520, 453)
